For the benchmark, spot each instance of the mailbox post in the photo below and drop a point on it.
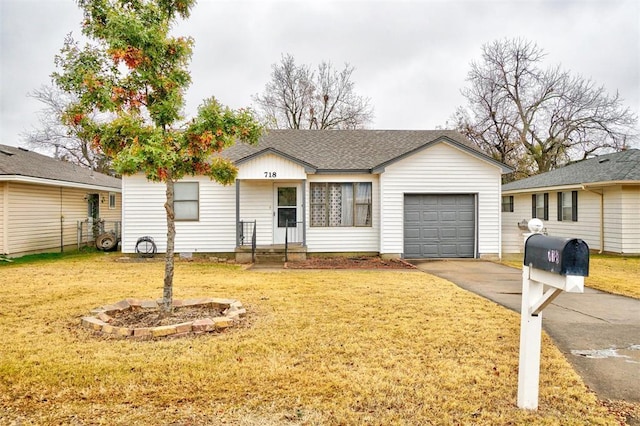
(561, 264)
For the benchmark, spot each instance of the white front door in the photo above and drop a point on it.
(287, 214)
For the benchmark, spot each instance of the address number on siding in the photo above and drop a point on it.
(270, 175)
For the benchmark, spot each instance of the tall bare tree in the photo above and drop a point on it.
(65, 140)
(297, 97)
(534, 118)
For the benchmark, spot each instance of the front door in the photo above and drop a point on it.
(286, 213)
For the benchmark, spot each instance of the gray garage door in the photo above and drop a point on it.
(439, 226)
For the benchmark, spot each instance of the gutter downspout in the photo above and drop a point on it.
(601, 194)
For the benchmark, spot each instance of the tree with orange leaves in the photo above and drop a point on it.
(136, 74)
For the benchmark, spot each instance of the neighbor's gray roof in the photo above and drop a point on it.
(21, 162)
(616, 167)
(349, 150)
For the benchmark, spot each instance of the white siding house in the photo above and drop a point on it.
(336, 192)
(596, 200)
(43, 199)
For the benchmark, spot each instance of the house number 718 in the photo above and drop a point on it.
(269, 174)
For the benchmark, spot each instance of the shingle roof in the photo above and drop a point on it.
(616, 167)
(349, 150)
(21, 162)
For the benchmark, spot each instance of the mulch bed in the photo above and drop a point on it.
(154, 318)
(343, 262)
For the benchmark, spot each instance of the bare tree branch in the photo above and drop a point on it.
(66, 143)
(298, 98)
(536, 119)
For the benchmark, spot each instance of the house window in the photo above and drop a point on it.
(507, 203)
(540, 206)
(341, 204)
(568, 206)
(186, 201)
(112, 200)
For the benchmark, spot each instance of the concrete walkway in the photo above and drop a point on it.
(599, 333)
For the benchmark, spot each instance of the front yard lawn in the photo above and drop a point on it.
(610, 273)
(320, 348)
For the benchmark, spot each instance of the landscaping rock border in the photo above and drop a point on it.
(102, 317)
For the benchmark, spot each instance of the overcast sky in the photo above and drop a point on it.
(410, 57)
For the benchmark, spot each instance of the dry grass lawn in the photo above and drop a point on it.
(322, 348)
(610, 273)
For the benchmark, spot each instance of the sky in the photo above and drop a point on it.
(411, 57)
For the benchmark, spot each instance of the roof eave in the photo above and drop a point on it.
(343, 171)
(58, 183)
(565, 187)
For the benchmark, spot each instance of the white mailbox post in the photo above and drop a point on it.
(561, 264)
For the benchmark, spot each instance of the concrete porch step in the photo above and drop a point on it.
(270, 258)
(271, 254)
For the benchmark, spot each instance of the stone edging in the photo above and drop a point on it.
(101, 319)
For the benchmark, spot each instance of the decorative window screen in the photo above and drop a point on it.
(341, 204)
(186, 200)
(319, 204)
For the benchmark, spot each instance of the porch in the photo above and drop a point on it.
(270, 221)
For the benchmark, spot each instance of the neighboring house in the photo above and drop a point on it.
(411, 194)
(42, 199)
(597, 200)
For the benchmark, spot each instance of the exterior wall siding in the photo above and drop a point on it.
(586, 228)
(3, 220)
(144, 215)
(512, 236)
(621, 224)
(345, 239)
(613, 230)
(441, 169)
(630, 219)
(41, 217)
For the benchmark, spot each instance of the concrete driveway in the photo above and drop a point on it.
(599, 333)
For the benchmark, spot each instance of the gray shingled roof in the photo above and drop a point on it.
(616, 167)
(349, 150)
(21, 162)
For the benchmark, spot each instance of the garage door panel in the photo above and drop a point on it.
(426, 233)
(429, 216)
(465, 251)
(449, 216)
(446, 201)
(412, 233)
(466, 234)
(465, 200)
(430, 250)
(449, 250)
(412, 248)
(465, 216)
(412, 216)
(449, 233)
(412, 201)
(428, 200)
(439, 225)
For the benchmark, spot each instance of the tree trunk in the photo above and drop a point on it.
(167, 294)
